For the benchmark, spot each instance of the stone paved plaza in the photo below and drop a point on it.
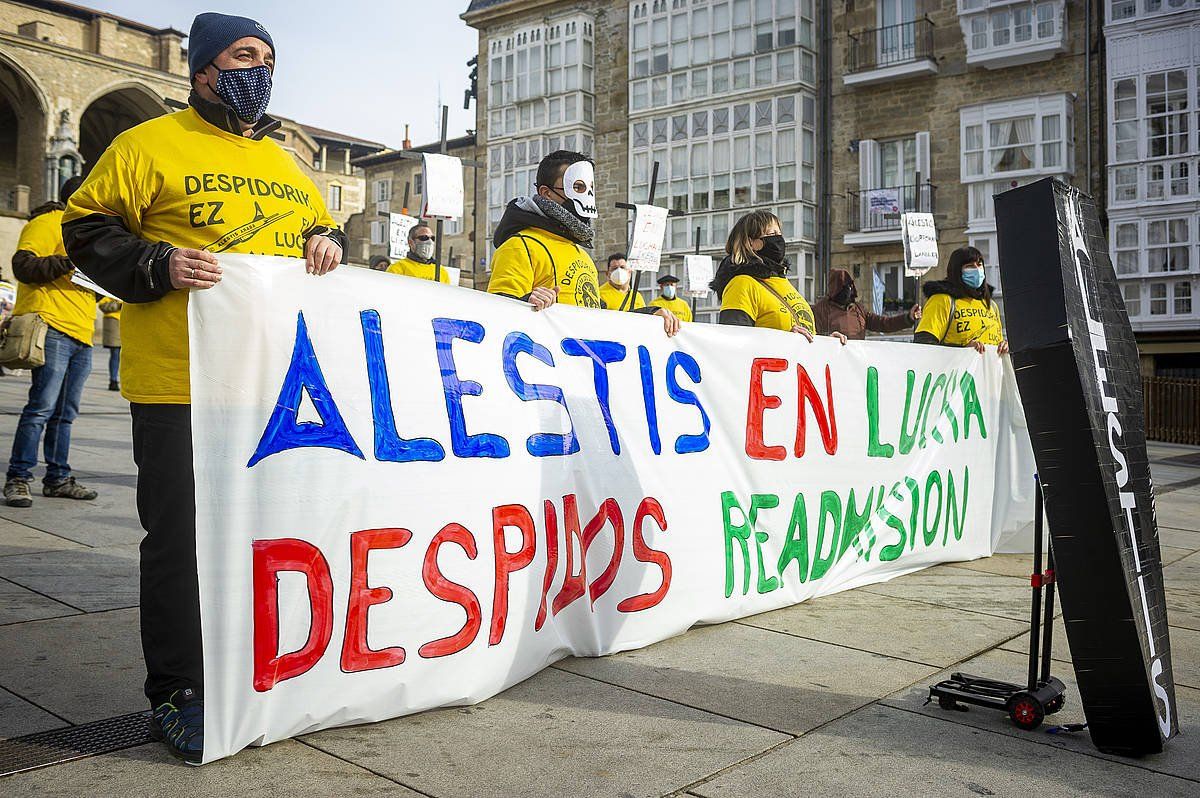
(825, 698)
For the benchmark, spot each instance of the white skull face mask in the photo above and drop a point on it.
(579, 186)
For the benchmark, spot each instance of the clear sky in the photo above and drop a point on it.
(361, 67)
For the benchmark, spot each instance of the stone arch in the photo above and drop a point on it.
(113, 110)
(23, 126)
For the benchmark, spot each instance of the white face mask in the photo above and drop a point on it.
(579, 186)
(668, 292)
(423, 249)
(619, 276)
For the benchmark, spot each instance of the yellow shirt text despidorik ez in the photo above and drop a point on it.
(423, 271)
(680, 307)
(538, 258)
(616, 299)
(66, 307)
(750, 296)
(974, 320)
(181, 180)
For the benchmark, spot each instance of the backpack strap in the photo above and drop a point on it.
(949, 319)
(795, 316)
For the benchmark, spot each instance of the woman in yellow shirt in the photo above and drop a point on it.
(750, 282)
(959, 310)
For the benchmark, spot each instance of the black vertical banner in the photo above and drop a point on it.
(1077, 370)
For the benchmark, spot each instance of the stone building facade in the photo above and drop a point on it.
(938, 105)
(72, 78)
(392, 175)
(721, 93)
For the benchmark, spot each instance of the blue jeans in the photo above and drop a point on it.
(52, 406)
(114, 364)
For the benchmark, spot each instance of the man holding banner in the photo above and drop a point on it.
(541, 239)
(161, 201)
(419, 262)
(616, 293)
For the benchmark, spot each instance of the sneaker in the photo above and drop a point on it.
(67, 489)
(179, 723)
(113, 385)
(17, 493)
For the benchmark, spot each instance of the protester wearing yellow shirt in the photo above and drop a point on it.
(541, 240)
(419, 262)
(959, 311)
(750, 281)
(110, 334)
(158, 208)
(668, 297)
(616, 293)
(44, 287)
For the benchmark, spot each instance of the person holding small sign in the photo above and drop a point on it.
(616, 293)
(541, 241)
(959, 310)
(750, 282)
(839, 311)
(419, 261)
(668, 297)
(45, 289)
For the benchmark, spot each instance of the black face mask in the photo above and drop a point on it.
(846, 295)
(772, 250)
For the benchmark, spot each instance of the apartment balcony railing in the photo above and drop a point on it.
(903, 49)
(878, 209)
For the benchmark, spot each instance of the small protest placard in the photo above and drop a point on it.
(699, 270)
(920, 243)
(399, 225)
(649, 230)
(453, 273)
(82, 280)
(443, 187)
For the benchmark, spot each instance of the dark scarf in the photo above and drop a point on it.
(758, 268)
(220, 115)
(525, 212)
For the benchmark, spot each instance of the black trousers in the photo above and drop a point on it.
(170, 591)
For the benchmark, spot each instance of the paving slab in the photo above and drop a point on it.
(19, 604)
(778, 681)
(20, 539)
(81, 667)
(110, 520)
(555, 734)
(964, 589)
(1179, 509)
(886, 752)
(287, 768)
(92, 579)
(1187, 539)
(18, 717)
(1019, 566)
(1181, 759)
(891, 626)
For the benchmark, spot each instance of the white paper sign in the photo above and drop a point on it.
(649, 230)
(81, 279)
(453, 273)
(699, 270)
(919, 235)
(404, 502)
(443, 187)
(399, 226)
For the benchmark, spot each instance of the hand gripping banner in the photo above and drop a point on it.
(1078, 374)
(412, 496)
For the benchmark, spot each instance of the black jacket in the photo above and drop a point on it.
(34, 270)
(955, 290)
(138, 270)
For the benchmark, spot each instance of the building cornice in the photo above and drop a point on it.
(489, 12)
(94, 59)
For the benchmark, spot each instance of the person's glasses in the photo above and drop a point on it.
(427, 238)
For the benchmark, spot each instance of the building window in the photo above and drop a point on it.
(1166, 110)
(383, 190)
(379, 232)
(335, 198)
(1125, 245)
(1168, 245)
(1132, 293)
(419, 183)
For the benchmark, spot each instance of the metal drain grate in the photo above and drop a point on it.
(57, 746)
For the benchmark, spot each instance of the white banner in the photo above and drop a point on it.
(410, 496)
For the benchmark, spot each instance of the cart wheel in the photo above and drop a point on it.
(1055, 704)
(946, 702)
(1026, 711)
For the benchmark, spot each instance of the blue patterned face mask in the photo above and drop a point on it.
(247, 91)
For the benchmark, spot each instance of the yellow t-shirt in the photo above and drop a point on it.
(749, 295)
(179, 179)
(616, 299)
(424, 271)
(678, 306)
(538, 258)
(66, 307)
(974, 320)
